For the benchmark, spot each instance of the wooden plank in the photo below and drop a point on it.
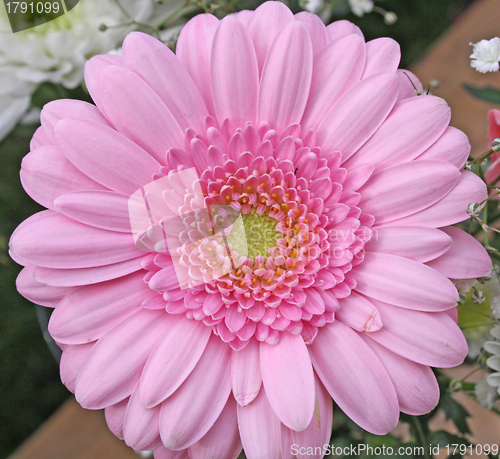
(449, 63)
(74, 433)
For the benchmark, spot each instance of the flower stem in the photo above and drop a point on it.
(170, 17)
(468, 375)
(482, 157)
(422, 439)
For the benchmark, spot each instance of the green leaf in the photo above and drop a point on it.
(487, 93)
(444, 438)
(456, 412)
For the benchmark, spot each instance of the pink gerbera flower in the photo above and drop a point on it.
(492, 174)
(345, 184)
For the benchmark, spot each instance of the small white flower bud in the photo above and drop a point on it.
(474, 209)
(495, 145)
(390, 17)
(478, 297)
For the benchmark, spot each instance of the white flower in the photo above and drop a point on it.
(486, 55)
(12, 110)
(495, 306)
(57, 51)
(485, 394)
(360, 7)
(314, 6)
(493, 347)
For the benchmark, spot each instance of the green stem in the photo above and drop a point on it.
(170, 17)
(485, 221)
(468, 375)
(482, 157)
(422, 439)
(478, 311)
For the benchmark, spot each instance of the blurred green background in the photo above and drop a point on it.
(29, 377)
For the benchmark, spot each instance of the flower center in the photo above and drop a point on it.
(256, 236)
(264, 233)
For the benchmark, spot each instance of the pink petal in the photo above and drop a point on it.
(38, 293)
(90, 312)
(163, 71)
(164, 280)
(244, 16)
(105, 155)
(336, 69)
(235, 319)
(355, 378)
(416, 243)
(140, 424)
(234, 72)
(47, 174)
(432, 339)
(114, 366)
(492, 173)
(60, 109)
(316, 28)
(382, 55)
(188, 414)
(53, 241)
(102, 209)
(385, 195)
(314, 302)
(286, 442)
(285, 83)
(193, 49)
(465, 259)
(260, 429)
(493, 124)
(394, 143)
(453, 313)
(340, 28)
(173, 359)
(246, 377)
(403, 282)
(93, 70)
(452, 146)
(72, 359)
(357, 115)
(39, 139)
(358, 313)
(223, 439)
(288, 378)
(138, 112)
(453, 207)
(268, 21)
(114, 417)
(86, 276)
(357, 177)
(415, 384)
(319, 430)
